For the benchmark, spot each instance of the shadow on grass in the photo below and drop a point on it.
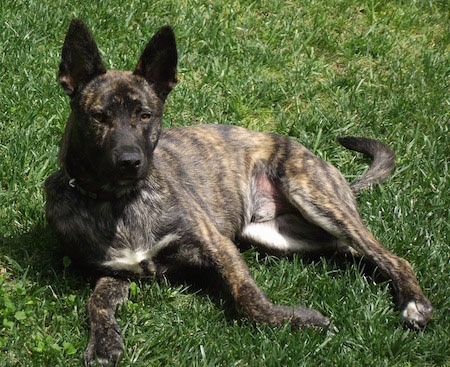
(36, 257)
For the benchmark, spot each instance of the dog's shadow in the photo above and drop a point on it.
(34, 256)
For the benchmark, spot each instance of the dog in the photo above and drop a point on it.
(133, 200)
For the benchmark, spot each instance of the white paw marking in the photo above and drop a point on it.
(411, 312)
(417, 314)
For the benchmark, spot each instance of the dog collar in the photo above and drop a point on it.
(99, 195)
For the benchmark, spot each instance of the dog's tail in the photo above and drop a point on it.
(383, 160)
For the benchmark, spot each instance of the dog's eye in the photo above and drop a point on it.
(146, 116)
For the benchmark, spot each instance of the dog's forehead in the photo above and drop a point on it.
(119, 88)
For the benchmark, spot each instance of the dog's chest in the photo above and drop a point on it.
(128, 238)
(139, 258)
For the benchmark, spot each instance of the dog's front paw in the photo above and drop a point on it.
(417, 313)
(105, 347)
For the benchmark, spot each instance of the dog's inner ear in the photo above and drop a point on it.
(81, 61)
(158, 62)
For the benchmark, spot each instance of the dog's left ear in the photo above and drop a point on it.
(158, 62)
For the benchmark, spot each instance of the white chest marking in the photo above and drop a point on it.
(129, 259)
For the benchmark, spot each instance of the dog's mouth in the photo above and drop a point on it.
(127, 182)
(120, 187)
(128, 177)
(124, 180)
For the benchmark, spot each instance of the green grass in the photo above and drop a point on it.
(309, 69)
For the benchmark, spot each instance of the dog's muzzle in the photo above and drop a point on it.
(128, 163)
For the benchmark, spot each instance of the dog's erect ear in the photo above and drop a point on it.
(81, 61)
(158, 62)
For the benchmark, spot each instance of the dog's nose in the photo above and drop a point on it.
(129, 161)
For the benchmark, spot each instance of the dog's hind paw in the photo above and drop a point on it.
(417, 313)
(105, 348)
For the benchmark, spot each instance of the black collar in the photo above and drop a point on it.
(95, 195)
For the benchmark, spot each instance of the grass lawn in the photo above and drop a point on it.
(309, 69)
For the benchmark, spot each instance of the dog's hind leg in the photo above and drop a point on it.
(105, 342)
(326, 200)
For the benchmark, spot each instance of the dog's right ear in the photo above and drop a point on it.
(81, 61)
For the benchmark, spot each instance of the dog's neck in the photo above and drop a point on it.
(99, 194)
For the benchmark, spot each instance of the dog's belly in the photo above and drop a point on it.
(277, 226)
(289, 233)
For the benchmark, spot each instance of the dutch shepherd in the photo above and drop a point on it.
(131, 199)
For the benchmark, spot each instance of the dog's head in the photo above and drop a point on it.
(116, 116)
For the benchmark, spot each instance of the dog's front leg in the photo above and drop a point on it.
(105, 342)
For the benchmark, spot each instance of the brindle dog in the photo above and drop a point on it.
(131, 199)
